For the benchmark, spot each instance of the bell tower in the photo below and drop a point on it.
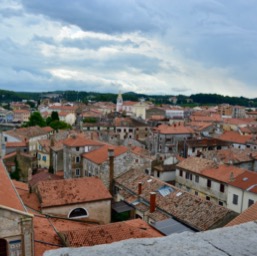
(119, 103)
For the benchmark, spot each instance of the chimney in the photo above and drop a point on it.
(152, 201)
(139, 188)
(231, 177)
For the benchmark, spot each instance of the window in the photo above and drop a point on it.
(77, 148)
(78, 213)
(39, 157)
(191, 176)
(196, 178)
(44, 158)
(250, 202)
(208, 198)
(222, 188)
(187, 175)
(209, 183)
(180, 173)
(77, 172)
(196, 193)
(235, 199)
(193, 149)
(77, 159)
(220, 203)
(158, 174)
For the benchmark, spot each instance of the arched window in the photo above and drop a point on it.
(3, 247)
(78, 213)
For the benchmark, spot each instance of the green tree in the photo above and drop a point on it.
(36, 119)
(55, 116)
(59, 125)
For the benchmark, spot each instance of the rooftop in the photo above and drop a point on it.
(237, 241)
(70, 191)
(109, 233)
(8, 195)
(246, 181)
(196, 164)
(100, 155)
(185, 207)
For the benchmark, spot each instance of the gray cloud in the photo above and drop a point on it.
(102, 16)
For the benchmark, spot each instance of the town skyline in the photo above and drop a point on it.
(165, 48)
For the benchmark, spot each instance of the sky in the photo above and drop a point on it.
(166, 47)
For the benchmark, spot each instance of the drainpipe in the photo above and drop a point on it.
(111, 169)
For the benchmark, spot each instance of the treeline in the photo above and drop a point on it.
(85, 97)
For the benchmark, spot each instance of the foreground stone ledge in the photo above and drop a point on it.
(238, 240)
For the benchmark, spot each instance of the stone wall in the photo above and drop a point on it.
(99, 211)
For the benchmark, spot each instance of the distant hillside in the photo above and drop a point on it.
(197, 99)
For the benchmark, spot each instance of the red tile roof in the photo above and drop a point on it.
(109, 233)
(15, 144)
(41, 176)
(100, 155)
(196, 164)
(185, 207)
(174, 129)
(246, 181)
(235, 137)
(249, 214)
(80, 141)
(70, 191)
(129, 103)
(8, 195)
(48, 129)
(223, 173)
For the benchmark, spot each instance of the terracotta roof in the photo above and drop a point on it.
(246, 181)
(189, 209)
(15, 144)
(47, 129)
(71, 191)
(196, 164)
(129, 103)
(200, 126)
(30, 200)
(8, 195)
(24, 111)
(223, 173)
(109, 233)
(80, 141)
(20, 185)
(41, 176)
(250, 214)
(45, 144)
(100, 155)
(235, 137)
(44, 235)
(174, 129)
(211, 118)
(231, 155)
(28, 132)
(238, 121)
(10, 155)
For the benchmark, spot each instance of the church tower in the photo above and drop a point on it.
(119, 103)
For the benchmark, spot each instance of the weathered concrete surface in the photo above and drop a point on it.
(239, 240)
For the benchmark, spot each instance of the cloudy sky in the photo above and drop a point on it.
(166, 47)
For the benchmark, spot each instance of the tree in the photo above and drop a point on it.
(55, 116)
(36, 119)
